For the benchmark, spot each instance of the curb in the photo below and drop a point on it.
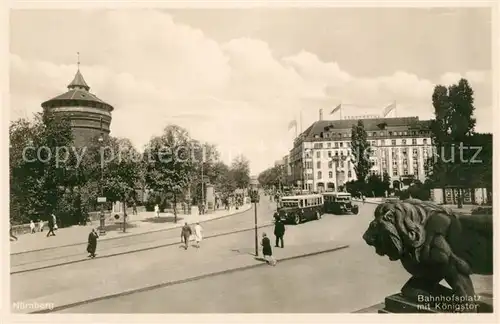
(136, 234)
(136, 250)
(181, 281)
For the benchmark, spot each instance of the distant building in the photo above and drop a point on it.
(89, 115)
(321, 158)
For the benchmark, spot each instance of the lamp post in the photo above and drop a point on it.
(101, 199)
(254, 198)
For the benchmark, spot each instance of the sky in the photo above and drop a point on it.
(237, 77)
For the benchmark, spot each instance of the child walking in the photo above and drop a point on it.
(267, 250)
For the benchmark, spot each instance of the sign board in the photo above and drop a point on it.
(101, 199)
(254, 196)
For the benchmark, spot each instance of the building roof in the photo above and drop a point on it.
(372, 124)
(78, 81)
(78, 90)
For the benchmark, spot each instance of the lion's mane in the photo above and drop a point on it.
(406, 219)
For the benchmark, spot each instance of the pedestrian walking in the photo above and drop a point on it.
(279, 232)
(51, 227)
(32, 227)
(134, 208)
(40, 225)
(55, 221)
(157, 210)
(11, 233)
(186, 232)
(92, 243)
(198, 234)
(267, 251)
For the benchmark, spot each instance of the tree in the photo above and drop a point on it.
(168, 164)
(452, 127)
(224, 181)
(120, 164)
(36, 176)
(462, 109)
(240, 172)
(361, 151)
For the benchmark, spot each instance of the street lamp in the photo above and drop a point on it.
(101, 199)
(254, 198)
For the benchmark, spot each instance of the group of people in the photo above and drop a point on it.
(52, 223)
(187, 232)
(279, 233)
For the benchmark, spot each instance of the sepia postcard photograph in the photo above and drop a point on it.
(254, 160)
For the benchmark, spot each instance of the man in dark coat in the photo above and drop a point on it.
(92, 243)
(51, 226)
(279, 232)
(185, 234)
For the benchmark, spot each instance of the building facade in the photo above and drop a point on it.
(89, 115)
(321, 158)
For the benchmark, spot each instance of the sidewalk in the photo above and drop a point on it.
(143, 222)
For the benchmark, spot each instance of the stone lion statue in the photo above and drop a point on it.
(433, 244)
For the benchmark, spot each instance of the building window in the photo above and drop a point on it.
(404, 142)
(425, 141)
(341, 144)
(336, 153)
(329, 153)
(319, 174)
(318, 154)
(330, 174)
(348, 144)
(330, 164)
(406, 172)
(405, 133)
(382, 142)
(390, 133)
(394, 172)
(414, 141)
(318, 165)
(393, 142)
(341, 153)
(341, 164)
(415, 151)
(349, 174)
(374, 143)
(336, 144)
(329, 145)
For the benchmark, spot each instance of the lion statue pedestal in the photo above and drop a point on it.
(433, 244)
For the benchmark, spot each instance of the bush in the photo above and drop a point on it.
(482, 211)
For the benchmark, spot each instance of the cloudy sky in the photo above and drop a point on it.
(237, 77)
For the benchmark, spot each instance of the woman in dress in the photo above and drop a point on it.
(198, 233)
(267, 251)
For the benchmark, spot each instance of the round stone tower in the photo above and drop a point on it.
(89, 115)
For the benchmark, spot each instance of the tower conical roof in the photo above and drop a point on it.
(78, 82)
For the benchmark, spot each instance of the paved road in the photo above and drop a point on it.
(109, 275)
(338, 282)
(341, 281)
(64, 254)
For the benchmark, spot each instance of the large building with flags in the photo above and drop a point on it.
(89, 115)
(320, 159)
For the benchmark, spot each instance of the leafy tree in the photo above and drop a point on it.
(452, 127)
(168, 164)
(361, 151)
(223, 181)
(37, 177)
(240, 172)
